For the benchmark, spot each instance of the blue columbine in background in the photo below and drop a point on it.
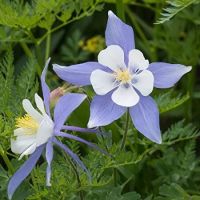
(37, 131)
(123, 79)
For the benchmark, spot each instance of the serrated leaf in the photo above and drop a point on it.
(179, 132)
(174, 7)
(170, 101)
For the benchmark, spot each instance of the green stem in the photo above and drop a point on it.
(40, 59)
(135, 141)
(125, 131)
(115, 176)
(30, 55)
(136, 25)
(7, 161)
(120, 9)
(77, 177)
(26, 49)
(140, 32)
(143, 5)
(59, 27)
(48, 45)
(190, 86)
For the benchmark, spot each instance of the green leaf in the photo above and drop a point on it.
(179, 132)
(174, 192)
(174, 7)
(170, 100)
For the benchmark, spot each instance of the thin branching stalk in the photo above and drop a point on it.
(48, 45)
(140, 32)
(26, 49)
(115, 176)
(77, 177)
(120, 9)
(7, 162)
(125, 131)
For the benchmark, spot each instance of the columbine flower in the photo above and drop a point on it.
(123, 79)
(37, 131)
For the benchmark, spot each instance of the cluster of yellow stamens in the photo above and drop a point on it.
(28, 123)
(123, 76)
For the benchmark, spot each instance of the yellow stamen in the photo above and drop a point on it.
(28, 123)
(123, 76)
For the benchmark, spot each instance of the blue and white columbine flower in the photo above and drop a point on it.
(37, 131)
(123, 79)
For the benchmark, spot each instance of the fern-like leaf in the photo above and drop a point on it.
(174, 7)
(169, 101)
(180, 132)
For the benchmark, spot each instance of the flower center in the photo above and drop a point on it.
(28, 123)
(123, 76)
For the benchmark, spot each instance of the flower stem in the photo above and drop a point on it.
(26, 49)
(115, 176)
(77, 177)
(120, 9)
(7, 161)
(125, 131)
(48, 45)
(190, 88)
(135, 137)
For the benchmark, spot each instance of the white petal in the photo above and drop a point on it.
(39, 103)
(112, 57)
(19, 131)
(23, 131)
(102, 82)
(125, 96)
(21, 143)
(144, 82)
(31, 110)
(45, 131)
(137, 60)
(28, 151)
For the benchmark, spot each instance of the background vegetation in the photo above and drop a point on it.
(72, 31)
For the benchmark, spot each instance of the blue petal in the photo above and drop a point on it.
(84, 130)
(24, 171)
(167, 75)
(72, 155)
(119, 33)
(49, 157)
(73, 137)
(77, 74)
(45, 88)
(104, 111)
(145, 117)
(65, 105)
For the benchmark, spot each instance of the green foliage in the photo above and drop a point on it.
(28, 15)
(112, 193)
(174, 192)
(20, 17)
(13, 90)
(179, 132)
(71, 51)
(4, 179)
(168, 101)
(174, 7)
(180, 34)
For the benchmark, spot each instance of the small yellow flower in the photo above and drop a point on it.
(93, 45)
